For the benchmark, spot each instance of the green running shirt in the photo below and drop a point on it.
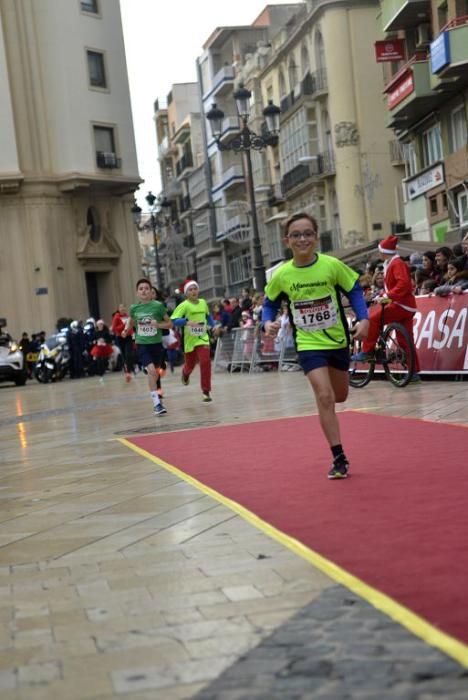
(193, 335)
(142, 314)
(312, 293)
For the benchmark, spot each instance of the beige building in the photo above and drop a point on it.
(334, 156)
(68, 165)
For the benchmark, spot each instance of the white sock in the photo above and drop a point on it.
(155, 398)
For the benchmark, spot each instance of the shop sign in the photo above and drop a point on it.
(440, 52)
(402, 89)
(389, 50)
(425, 181)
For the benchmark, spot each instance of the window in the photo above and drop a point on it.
(458, 128)
(433, 205)
(89, 6)
(462, 202)
(239, 267)
(411, 163)
(97, 73)
(105, 147)
(432, 145)
(92, 220)
(298, 139)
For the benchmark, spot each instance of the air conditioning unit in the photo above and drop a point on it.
(423, 35)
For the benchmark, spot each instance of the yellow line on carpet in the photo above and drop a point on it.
(404, 616)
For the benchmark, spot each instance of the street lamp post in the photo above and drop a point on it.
(153, 203)
(244, 142)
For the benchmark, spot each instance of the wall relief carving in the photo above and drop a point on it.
(346, 134)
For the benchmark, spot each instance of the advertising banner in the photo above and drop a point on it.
(441, 333)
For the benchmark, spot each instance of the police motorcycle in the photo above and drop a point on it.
(53, 362)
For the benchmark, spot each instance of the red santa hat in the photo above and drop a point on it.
(190, 283)
(388, 245)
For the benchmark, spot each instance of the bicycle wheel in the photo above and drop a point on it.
(398, 350)
(360, 373)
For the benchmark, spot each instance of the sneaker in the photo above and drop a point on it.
(159, 410)
(206, 396)
(128, 377)
(415, 378)
(185, 379)
(339, 469)
(362, 356)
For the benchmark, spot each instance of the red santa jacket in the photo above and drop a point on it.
(397, 283)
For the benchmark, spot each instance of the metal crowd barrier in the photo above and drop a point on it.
(249, 349)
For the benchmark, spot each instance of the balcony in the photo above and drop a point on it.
(449, 54)
(183, 164)
(230, 129)
(403, 14)
(409, 93)
(326, 164)
(231, 177)
(222, 83)
(107, 160)
(236, 228)
(297, 176)
(185, 204)
(165, 148)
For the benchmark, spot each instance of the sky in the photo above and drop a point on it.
(163, 38)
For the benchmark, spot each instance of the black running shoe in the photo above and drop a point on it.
(159, 410)
(206, 397)
(339, 469)
(185, 379)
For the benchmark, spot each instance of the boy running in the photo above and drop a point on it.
(194, 315)
(149, 317)
(311, 284)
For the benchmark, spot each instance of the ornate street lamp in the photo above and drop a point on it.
(244, 142)
(155, 205)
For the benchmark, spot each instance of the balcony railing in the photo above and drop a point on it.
(397, 154)
(183, 163)
(107, 160)
(221, 82)
(326, 163)
(295, 177)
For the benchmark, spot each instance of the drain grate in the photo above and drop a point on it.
(168, 427)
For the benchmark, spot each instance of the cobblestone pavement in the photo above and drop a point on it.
(340, 648)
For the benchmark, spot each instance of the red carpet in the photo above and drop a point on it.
(400, 523)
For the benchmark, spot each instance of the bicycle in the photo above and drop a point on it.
(394, 350)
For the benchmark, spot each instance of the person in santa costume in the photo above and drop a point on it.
(398, 299)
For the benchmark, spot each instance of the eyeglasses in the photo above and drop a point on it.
(306, 235)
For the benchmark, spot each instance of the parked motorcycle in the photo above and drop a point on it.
(53, 362)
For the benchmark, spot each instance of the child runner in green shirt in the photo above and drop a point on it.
(311, 284)
(194, 316)
(149, 317)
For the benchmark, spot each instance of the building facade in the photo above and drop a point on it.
(427, 103)
(68, 165)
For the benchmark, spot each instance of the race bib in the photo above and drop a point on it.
(146, 330)
(314, 314)
(198, 330)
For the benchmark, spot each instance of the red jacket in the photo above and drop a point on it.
(118, 323)
(398, 284)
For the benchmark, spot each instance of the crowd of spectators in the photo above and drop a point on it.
(435, 272)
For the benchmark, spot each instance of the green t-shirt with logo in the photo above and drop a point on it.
(142, 314)
(313, 295)
(193, 335)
